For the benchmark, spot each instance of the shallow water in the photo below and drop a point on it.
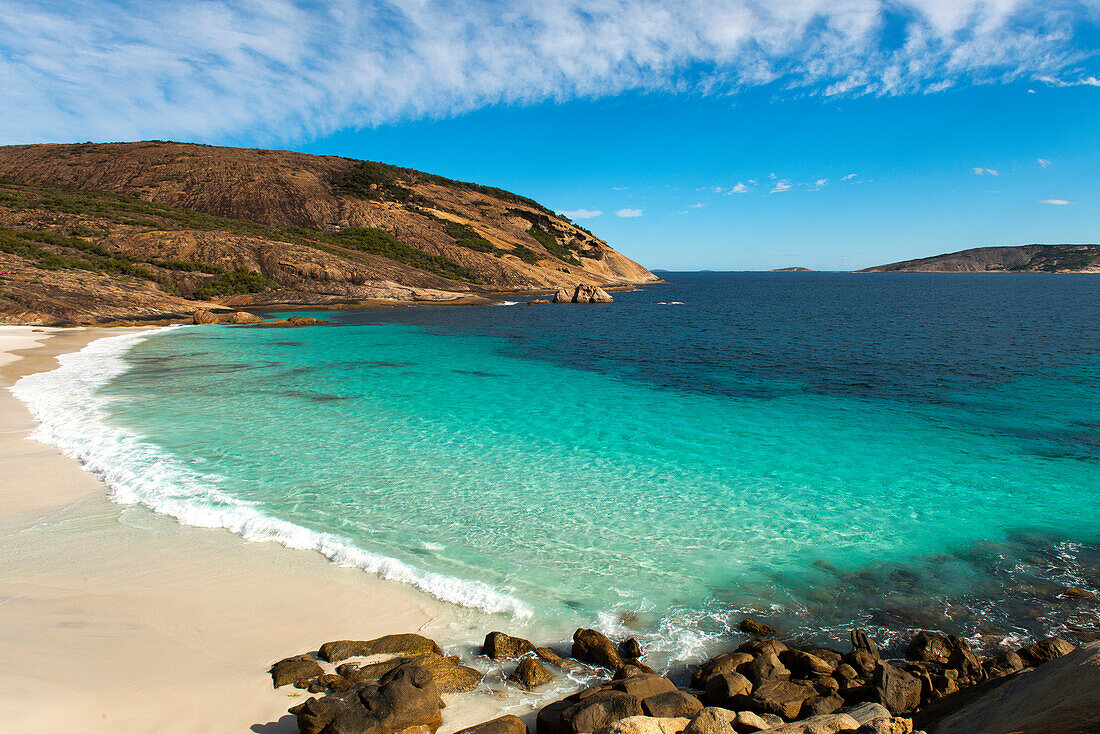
(819, 449)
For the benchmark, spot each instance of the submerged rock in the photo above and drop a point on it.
(751, 627)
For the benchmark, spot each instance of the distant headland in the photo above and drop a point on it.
(1018, 259)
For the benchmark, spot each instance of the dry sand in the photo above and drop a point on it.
(113, 619)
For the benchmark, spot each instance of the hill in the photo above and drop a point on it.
(1019, 259)
(94, 233)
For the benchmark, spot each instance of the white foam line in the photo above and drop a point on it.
(69, 407)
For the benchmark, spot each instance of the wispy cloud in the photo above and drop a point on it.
(1085, 81)
(849, 177)
(819, 184)
(583, 213)
(781, 186)
(628, 213)
(740, 188)
(987, 172)
(1055, 202)
(293, 69)
(1043, 162)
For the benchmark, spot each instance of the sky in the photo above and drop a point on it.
(702, 134)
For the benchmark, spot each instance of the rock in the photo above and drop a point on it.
(862, 661)
(499, 645)
(630, 648)
(869, 712)
(529, 675)
(644, 685)
(844, 671)
(766, 668)
(1044, 651)
(302, 321)
(962, 658)
(548, 718)
(710, 721)
(747, 722)
(504, 725)
(409, 645)
(722, 688)
(537, 301)
(832, 657)
(760, 647)
(202, 316)
(820, 705)
(241, 317)
(357, 673)
(450, 675)
(563, 296)
(591, 294)
(1004, 664)
(646, 725)
(589, 646)
(928, 647)
(294, 670)
(861, 642)
(751, 627)
(824, 724)
(805, 663)
(727, 663)
(1059, 697)
(782, 698)
(672, 704)
(598, 710)
(896, 689)
(1072, 592)
(403, 698)
(887, 726)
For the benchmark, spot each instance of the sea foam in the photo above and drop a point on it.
(71, 413)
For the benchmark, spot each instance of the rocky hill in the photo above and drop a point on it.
(1021, 259)
(94, 233)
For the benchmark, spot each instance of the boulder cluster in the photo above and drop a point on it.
(583, 294)
(244, 318)
(763, 685)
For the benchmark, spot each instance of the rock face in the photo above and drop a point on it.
(1060, 697)
(405, 697)
(563, 296)
(292, 670)
(246, 227)
(583, 294)
(590, 646)
(896, 689)
(498, 645)
(408, 645)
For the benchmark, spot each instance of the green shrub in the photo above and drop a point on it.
(381, 242)
(551, 244)
(236, 283)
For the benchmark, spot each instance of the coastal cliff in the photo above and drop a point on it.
(1019, 259)
(98, 233)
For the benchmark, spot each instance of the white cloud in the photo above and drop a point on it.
(849, 177)
(1045, 163)
(819, 184)
(781, 186)
(697, 205)
(628, 213)
(583, 213)
(291, 69)
(1087, 81)
(987, 172)
(740, 188)
(1055, 202)
(618, 188)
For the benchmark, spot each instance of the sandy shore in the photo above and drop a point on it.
(113, 619)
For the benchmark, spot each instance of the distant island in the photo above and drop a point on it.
(1018, 259)
(791, 270)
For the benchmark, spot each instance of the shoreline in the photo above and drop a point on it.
(117, 619)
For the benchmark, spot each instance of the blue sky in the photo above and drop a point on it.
(704, 134)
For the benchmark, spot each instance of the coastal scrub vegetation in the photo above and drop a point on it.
(236, 283)
(381, 242)
(552, 245)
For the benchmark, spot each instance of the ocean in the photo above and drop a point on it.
(816, 450)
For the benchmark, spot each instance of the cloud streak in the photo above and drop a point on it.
(628, 213)
(285, 70)
(583, 213)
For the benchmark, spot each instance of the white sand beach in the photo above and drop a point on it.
(113, 619)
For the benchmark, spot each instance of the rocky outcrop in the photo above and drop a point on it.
(290, 671)
(241, 317)
(405, 697)
(1059, 697)
(202, 316)
(583, 294)
(498, 645)
(590, 646)
(406, 645)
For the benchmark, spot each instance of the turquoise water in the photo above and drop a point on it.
(556, 466)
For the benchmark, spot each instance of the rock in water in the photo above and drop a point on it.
(630, 648)
(498, 645)
(409, 645)
(589, 646)
(896, 689)
(751, 627)
(591, 294)
(202, 316)
(242, 317)
(530, 675)
(504, 725)
(301, 321)
(403, 698)
(563, 296)
(862, 643)
(292, 670)
(1048, 649)
(537, 301)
